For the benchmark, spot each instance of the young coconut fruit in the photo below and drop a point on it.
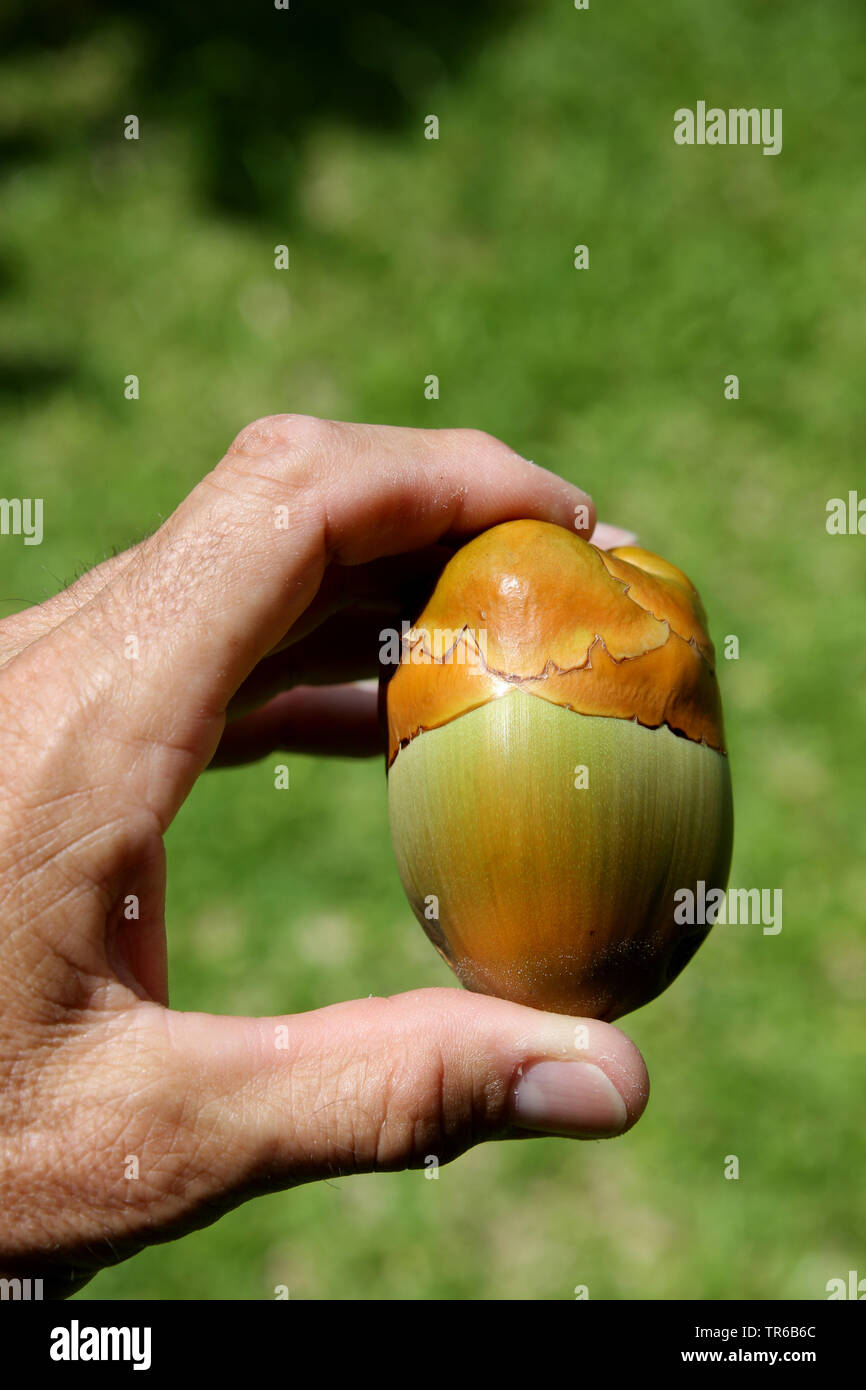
(557, 771)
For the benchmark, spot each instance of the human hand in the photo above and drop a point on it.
(226, 608)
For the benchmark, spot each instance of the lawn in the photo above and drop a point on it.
(455, 257)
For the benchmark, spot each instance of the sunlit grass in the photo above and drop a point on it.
(455, 258)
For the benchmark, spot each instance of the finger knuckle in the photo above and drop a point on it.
(439, 1107)
(278, 434)
(481, 442)
(276, 452)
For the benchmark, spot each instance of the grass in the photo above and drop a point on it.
(455, 257)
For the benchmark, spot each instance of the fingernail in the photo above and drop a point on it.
(570, 1098)
(606, 537)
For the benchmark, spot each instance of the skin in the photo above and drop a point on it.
(249, 638)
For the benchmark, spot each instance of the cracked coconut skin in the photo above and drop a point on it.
(557, 770)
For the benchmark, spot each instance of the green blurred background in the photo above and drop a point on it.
(454, 257)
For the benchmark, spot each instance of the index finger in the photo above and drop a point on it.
(217, 587)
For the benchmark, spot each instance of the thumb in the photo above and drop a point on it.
(211, 1111)
(383, 1084)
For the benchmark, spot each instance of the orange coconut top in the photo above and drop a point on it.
(531, 606)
